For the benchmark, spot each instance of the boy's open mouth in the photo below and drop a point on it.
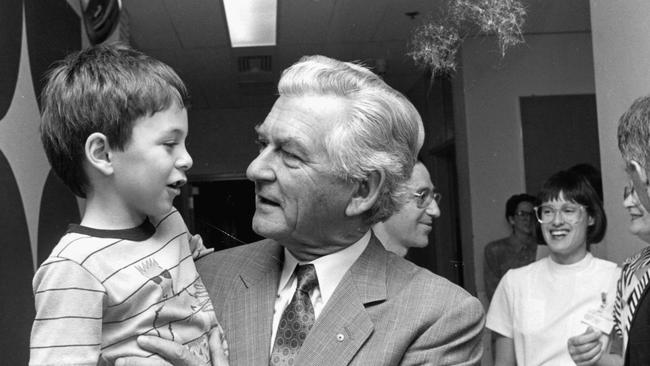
(176, 185)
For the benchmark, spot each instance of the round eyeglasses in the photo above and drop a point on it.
(522, 214)
(424, 197)
(569, 213)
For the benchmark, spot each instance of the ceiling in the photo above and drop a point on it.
(192, 37)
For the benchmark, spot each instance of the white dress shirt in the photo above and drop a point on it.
(330, 269)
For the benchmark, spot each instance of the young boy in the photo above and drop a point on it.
(114, 127)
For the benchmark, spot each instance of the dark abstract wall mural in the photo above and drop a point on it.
(11, 22)
(58, 209)
(34, 206)
(16, 271)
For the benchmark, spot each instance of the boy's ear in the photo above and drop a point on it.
(98, 153)
(366, 194)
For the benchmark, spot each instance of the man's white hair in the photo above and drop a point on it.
(380, 133)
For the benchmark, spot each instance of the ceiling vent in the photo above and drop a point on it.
(255, 75)
(254, 64)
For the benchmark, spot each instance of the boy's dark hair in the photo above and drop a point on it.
(576, 188)
(101, 89)
(515, 200)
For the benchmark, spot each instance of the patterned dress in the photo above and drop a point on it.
(633, 282)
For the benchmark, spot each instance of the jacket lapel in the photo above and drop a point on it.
(344, 325)
(250, 307)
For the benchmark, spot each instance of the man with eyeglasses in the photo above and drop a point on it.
(410, 226)
(516, 250)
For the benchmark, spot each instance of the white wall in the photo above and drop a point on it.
(621, 50)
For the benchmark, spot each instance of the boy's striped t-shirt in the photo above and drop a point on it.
(100, 289)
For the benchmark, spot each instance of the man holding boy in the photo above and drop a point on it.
(321, 289)
(114, 124)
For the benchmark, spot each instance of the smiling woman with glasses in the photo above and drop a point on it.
(538, 308)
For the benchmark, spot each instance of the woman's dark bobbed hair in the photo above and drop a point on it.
(574, 187)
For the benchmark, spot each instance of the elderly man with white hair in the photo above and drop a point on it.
(334, 152)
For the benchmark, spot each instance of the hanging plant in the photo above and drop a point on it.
(435, 43)
(503, 18)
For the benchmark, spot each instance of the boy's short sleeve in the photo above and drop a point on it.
(499, 316)
(197, 248)
(67, 328)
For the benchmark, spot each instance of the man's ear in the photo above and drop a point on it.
(366, 194)
(98, 153)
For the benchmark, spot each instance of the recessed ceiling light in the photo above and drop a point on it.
(251, 23)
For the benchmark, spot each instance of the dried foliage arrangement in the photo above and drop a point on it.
(434, 44)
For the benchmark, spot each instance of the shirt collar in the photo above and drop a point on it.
(330, 269)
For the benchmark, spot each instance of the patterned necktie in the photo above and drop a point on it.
(297, 319)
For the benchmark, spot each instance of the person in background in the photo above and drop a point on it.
(632, 307)
(537, 308)
(516, 250)
(410, 226)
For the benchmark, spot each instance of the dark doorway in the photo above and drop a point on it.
(559, 131)
(222, 212)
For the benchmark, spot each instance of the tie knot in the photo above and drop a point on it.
(307, 279)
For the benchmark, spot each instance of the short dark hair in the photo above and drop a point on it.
(515, 200)
(576, 188)
(102, 89)
(593, 176)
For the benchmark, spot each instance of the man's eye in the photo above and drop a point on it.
(170, 144)
(289, 155)
(424, 193)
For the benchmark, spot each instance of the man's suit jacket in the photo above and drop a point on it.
(385, 311)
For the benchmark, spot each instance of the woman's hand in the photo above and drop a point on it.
(587, 348)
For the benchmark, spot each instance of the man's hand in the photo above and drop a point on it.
(587, 348)
(176, 354)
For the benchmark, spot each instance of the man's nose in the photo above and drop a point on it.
(260, 169)
(630, 200)
(433, 209)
